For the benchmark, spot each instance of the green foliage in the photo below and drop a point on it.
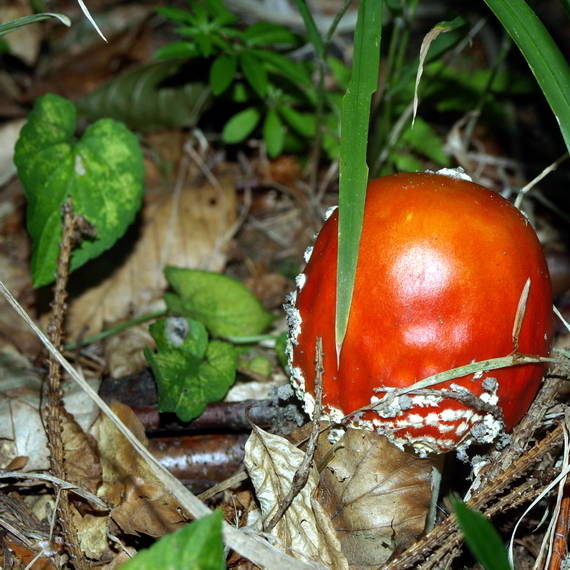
(225, 306)
(481, 537)
(252, 69)
(101, 174)
(353, 171)
(543, 56)
(196, 546)
(281, 350)
(18, 23)
(190, 370)
(141, 100)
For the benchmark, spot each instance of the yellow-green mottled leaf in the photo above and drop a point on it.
(226, 306)
(189, 372)
(102, 175)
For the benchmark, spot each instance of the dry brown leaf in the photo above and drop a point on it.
(305, 529)
(190, 228)
(92, 533)
(82, 465)
(141, 503)
(124, 352)
(378, 496)
(21, 429)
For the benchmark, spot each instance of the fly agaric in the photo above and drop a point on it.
(441, 267)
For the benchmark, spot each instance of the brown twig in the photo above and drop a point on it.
(302, 474)
(560, 544)
(54, 424)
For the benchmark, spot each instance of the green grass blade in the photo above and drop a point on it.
(543, 56)
(311, 28)
(481, 537)
(14, 25)
(355, 116)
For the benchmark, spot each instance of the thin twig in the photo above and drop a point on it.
(54, 411)
(250, 545)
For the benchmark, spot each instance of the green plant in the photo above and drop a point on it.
(101, 174)
(197, 546)
(481, 538)
(252, 68)
(191, 368)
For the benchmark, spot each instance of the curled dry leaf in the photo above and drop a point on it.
(141, 504)
(305, 529)
(378, 497)
(189, 228)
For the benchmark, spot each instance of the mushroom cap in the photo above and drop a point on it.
(441, 268)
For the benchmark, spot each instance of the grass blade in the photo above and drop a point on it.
(481, 537)
(543, 56)
(355, 116)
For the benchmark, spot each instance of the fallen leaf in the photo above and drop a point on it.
(378, 496)
(305, 529)
(21, 426)
(9, 133)
(141, 504)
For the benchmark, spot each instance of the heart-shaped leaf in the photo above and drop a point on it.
(101, 174)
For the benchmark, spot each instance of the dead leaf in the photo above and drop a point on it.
(92, 533)
(305, 529)
(21, 427)
(9, 133)
(82, 465)
(141, 504)
(378, 496)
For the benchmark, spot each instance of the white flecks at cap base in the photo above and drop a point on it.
(456, 173)
(300, 281)
(330, 212)
(308, 253)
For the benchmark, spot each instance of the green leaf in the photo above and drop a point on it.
(273, 133)
(424, 140)
(140, 99)
(281, 350)
(18, 23)
(226, 306)
(407, 163)
(303, 123)
(196, 546)
(188, 335)
(353, 175)
(339, 70)
(177, 50)
(312, 30)
(102, 174)
(222, 73)
(240, 126)
(254, 72)
(268, 34)
(189, 372)
(481, 538)
(175, 14)
(295, 72)
(543, 56)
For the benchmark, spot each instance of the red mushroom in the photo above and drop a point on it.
(442, 264)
